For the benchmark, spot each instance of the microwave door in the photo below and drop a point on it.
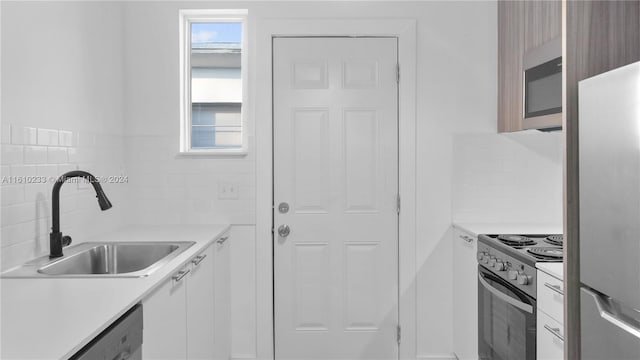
(543, 89)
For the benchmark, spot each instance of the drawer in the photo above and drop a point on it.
(549, 338)
(550, 295)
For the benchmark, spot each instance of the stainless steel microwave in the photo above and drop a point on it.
(542, 87)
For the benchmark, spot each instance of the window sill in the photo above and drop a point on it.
(212, 154)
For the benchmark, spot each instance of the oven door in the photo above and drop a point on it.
(506, 320)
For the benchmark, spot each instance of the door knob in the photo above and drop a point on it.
(284, 230)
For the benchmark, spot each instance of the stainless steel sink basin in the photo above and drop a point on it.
(112, 259)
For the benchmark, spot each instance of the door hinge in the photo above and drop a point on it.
(398, 73)
(398, 335)
(398, 204)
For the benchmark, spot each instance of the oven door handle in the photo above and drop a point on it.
(519, 304)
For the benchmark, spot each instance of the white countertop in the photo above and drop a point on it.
(509, 228)
(554, 269)
(46, 318)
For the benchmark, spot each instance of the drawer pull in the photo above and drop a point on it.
(555, 288)
(198, 259)
(223, 239)
(555, 332)
(181, 274)
(466, 238)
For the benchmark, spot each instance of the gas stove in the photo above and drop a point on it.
(514, 257)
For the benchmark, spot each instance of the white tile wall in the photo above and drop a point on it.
(26, 192)
(51, 118)
(166, 188)
(508, 177)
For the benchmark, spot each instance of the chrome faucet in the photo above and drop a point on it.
(56, 239)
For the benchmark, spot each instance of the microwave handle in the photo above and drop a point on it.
(519, 304)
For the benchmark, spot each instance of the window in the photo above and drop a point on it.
(213, 81)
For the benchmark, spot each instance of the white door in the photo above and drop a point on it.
(336, 166)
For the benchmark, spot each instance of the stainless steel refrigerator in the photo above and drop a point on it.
(609, 145)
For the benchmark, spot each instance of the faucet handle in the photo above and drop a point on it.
(66, 240)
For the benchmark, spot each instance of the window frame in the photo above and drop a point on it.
(188, 17)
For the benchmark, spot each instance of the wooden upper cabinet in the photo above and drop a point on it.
(542, 22)
(510, 50)
(522, 25)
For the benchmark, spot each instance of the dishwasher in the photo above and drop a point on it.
(122, 340)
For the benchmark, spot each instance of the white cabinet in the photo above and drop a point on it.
(550, 338)
(165, 321)
(188, 317)
(201, 305)
(550, 331)
(222, 278)
(465, 295)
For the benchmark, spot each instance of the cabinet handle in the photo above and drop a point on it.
(555, 332)
(466, 238)
(198, 259)
(555, 288)
(223, 239)
(177, 277)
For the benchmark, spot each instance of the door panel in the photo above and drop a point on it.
(610, 184)
(602, 339)
(336, 166)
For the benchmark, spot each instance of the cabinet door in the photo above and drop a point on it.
(550, 338)
(510, 52)
(200, 306)
(223, 298)
(542, 22)
(550, 293)
(165, 322)
(465, 295)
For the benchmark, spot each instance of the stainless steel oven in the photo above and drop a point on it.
(506, 319)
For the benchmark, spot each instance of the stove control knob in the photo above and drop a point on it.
(523, 279)
(485, 259)
(492, 261)
(512, 274)
(499, 266)
(481, 256)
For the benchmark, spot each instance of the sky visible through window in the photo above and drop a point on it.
(220, 32)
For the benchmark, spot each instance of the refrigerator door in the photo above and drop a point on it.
(607, 330)
(609, 145)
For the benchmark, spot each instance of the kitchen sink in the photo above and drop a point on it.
(109, 259)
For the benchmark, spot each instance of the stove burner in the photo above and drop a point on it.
(516, 240)
(556, 240)
(546, 253)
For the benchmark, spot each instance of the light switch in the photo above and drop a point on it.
(227, 190)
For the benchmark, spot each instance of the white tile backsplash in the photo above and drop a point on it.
(12, 194)
(56, 155)
(35, 154)
(48, 137)
(5, 133)
(23, 170)
(65, 138)
(12, 154)
(15, 214)
(165, 188)
(23, 135)
(513, 177)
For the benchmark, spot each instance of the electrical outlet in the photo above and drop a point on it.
(227, 190)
